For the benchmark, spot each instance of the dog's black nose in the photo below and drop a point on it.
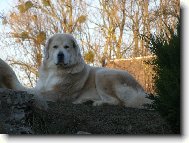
(60, 57)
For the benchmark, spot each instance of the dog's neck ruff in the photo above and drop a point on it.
(73, 69)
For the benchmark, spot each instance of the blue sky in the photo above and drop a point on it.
(5, 5)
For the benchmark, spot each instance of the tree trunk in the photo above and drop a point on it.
(136, 33)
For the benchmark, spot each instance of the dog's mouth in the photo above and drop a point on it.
(60, 59)
(62, 64)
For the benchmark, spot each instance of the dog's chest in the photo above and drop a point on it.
(56, 82)
(50, 81)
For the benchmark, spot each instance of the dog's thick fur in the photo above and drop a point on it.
(73, 79)
(65, 76)
(9, 80)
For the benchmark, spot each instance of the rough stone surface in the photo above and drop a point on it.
(19, 116)
(15, 108)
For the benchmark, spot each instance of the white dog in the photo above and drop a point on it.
(65, 76)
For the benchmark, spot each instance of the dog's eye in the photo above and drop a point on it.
(55, 47)
(66, 47)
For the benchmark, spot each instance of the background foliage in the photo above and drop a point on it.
(167, 77)
(105, 30)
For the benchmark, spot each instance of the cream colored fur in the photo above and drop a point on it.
(9, 80)
(68, 77)
(79, 82)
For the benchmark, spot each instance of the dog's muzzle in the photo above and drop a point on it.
(60, 58)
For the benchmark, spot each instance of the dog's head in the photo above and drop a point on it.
(62, 51)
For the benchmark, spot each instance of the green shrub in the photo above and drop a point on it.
(167, 77)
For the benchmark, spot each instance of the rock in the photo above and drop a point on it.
(19, 116)
(83, 133)
(67, 118)
(14, 110)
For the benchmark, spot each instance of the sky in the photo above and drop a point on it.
(5, 5)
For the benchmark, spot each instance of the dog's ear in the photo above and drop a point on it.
(80, 62)
(76, 46)
(46, 49)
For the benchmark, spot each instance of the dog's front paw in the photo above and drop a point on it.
(40, 102)
(77, 102)
(98, 103)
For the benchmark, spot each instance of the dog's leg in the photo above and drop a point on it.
(40, 102)
(112, 101)
(105, 98)
(105, 89)
(90, 95)
(39, 99)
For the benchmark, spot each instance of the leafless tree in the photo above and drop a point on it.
(106, 29)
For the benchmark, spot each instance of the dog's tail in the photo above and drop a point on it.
(8, 78)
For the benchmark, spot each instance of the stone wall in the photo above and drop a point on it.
(137, 67)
